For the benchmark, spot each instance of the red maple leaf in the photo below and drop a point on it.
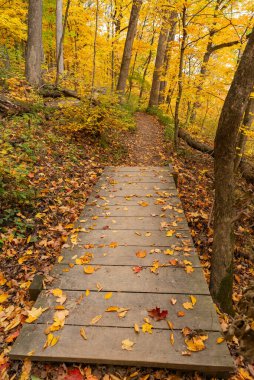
(137, 269)
(158, 314)
(74, 374)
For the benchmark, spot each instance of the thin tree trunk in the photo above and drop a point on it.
(160, 55)
(242, 136)
(167, 57)
(94, 50)
(59, 32)
(61, 42)
(126, 59)
(180, 80)
(221, 283)
(34, 43)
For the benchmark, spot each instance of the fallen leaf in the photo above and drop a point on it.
(170, 325)
(187, 305)
(87, 292)
(143, 204)
(136, 328)
(4, 297)
(108, 296)
(173, 301)
(181, 314)
(168, 252)
(113, 244)
(95, 319)
(127, 345)
(147, 327)
(195, 343)
(112, 309)
(141, 254)
(157, 314)
(35, 314)
(170, 233)
(83, 333)
(89, 269)
(51, 340)
(172, 339)
(220, 340)
(60, 259)
(137, 269)
(193, 300)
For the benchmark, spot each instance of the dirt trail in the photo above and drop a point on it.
(147, 146)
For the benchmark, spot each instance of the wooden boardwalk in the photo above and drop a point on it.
(132, 212)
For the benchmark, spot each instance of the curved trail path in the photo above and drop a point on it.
(146, 147)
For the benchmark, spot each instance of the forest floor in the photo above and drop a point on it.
(65, 181)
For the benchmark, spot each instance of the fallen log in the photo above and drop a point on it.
(9, 107)
(246, 168)
(56, 92)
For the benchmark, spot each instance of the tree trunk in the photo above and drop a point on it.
(221, 283)
(242, 137)
(160, 55)
(94, 50)
(59, 33)
(126, 59)
(34, 43)
(167, 57)
(61, 42)
(180, 80)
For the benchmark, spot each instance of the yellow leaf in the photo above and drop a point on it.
(141, 254)
(113, 244)
(83, 333)
(51, 340)
(87, 292)
(143, 204)
(35, 314)
(26, 370)
(170, 325)
(172, 339)
(112, 309)
(4, 297)
(89, 269)
(195, 343)
(136, 328)
(127, 345)
(170, 233)
(168, 252)
(147, 327)
(60, 259)
(244, 374)
(189, 269)
(122, 311)
(108, 296)
(187, 305)
(220, 340)
(193, 300)
(95, 319)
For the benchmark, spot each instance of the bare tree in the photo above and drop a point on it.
(59, 33)
(235, 105)
(34, 43)
(126, 59)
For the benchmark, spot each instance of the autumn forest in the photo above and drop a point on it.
(160, 90)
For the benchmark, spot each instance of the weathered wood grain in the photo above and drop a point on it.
(123, 279)
(104, 346)
(83, 310)
(123, 255)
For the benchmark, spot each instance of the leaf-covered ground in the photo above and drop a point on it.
(61, 175)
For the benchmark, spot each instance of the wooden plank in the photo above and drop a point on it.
(202, 316)
(122, 255)
(132, 177)
(96, 199)
(133, 186)
(124, 209)
(147, 223)
(138, 193)
(138, 237)
(123, 279)
(104, 346)
(138, 169)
